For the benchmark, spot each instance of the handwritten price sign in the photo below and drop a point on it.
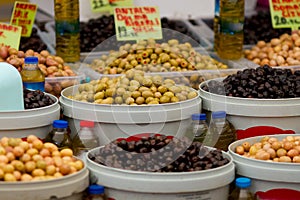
(24, 15)
(136, 23)
(10, 35)
(285, 13)
(108, 5)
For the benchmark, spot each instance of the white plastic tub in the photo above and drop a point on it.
(253, 117)
(64, 188)
(115, 121)
(126, 184)
(266, 175)
(36, 121)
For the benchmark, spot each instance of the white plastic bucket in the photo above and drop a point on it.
(36, 121)
(253, 117)
(115, 121)
(210, 184)
(59, 188)
(265, 175)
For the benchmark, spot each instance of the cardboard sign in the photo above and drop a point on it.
(24, 15)
(137, 23)
(108, 5)
(285, 13)
(10, 35)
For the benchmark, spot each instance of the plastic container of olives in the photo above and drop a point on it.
(266, 175)
(73, 187)
(54, 85)
(208, 183)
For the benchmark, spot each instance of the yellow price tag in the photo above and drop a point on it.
(10, 35)
(285, 13)
(24, 15)
(137, 23)
(108, 5)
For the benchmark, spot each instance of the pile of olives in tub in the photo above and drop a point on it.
(263, 82)
(272, 149)
(36, 99)
(133, 88)
(158, 153)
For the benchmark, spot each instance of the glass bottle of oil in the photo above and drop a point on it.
(60, 135)
(67, 29)
(32, 77)
(242, 190)
(231, 31)
(216, 24)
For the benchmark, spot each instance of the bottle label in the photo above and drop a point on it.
(231, 27)
(35, 85)
(66, 27)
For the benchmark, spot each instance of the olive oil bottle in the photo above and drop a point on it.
(230, 35)
(67, 29)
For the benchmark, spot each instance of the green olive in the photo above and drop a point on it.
(118, 100)
(147, 82)
(120, 91)
(99, 95)
(162, 89)
(164, 99)
(136, 94)
(139, 100)
(175, 89)
(149, 99)
(169, 94)
(174, 99)
(147, 93)
(108, 100)
(110, 92)
(129, 100)
(192, 95)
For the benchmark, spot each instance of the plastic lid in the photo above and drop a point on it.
(31, 60)
(243, 182)
(218, 114)
(60, 124)
(96, 189)
(89, 124)
(199, 116)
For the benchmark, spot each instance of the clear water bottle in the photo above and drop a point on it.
(199, 126)
(60, 135)
(86, 139)
(32, 77)
(242, 190)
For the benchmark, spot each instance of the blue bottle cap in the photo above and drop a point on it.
(31, 60)
(96, 189)
(199, 116)
(218, 114)
(243, 182)
(60, 124)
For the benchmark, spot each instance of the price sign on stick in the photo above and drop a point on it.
(10, 35)
(137, 23)
(108, 5)
(24, 15)
(285, 13)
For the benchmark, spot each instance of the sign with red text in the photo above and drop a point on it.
(108, 5)
(24, 15)
(285, 13)
(137, 23)
(10, 35)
